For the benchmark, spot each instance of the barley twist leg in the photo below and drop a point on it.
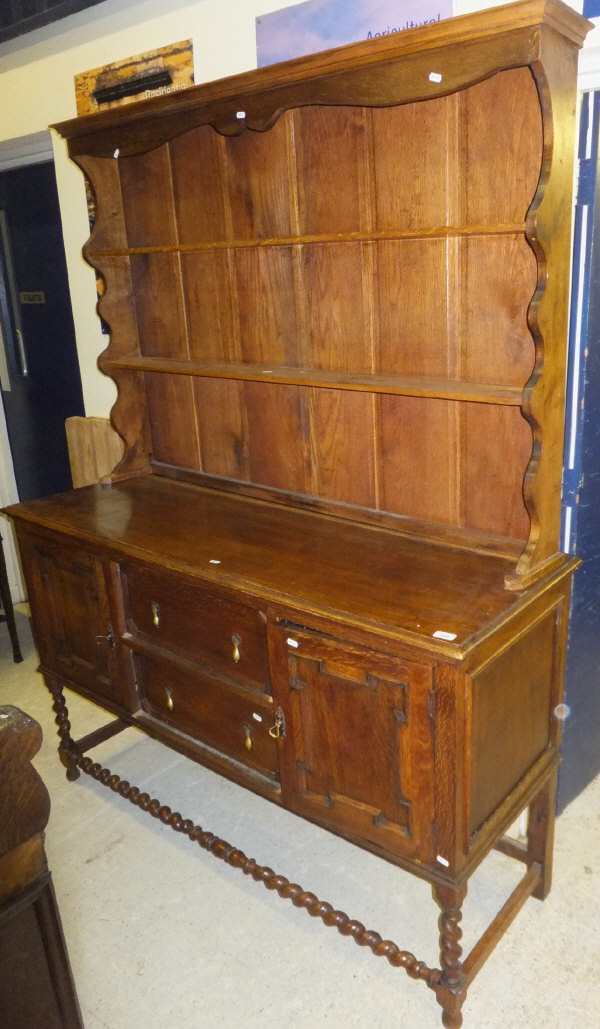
(451, 990)
(67, 748)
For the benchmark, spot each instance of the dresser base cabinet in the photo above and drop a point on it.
(327, 565)
(423, 751)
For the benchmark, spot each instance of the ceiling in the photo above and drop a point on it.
(20, 16)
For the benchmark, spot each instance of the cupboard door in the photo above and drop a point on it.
(357, 755)
(73, 627)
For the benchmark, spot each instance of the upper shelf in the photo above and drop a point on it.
(416, 64)
(408, 386)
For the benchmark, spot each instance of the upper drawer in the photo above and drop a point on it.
(225, 635)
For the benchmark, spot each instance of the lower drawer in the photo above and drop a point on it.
(233, 721)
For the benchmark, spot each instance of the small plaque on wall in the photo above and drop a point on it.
(160, 71)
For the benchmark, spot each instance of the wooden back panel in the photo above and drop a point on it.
(354, 306)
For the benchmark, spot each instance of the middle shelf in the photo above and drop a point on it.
(365, 382)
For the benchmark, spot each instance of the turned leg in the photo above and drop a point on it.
(540, 834)
(67, 748)
(451, 990)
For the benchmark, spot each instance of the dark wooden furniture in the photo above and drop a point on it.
(327, 566)
(36, 984)
(7, 614)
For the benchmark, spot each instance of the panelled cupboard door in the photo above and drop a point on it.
(357, 755)
(74, 634)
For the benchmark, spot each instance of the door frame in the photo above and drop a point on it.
(16, 153)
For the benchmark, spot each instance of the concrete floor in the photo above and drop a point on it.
(162, 936)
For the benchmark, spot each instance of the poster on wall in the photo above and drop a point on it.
(318, 25)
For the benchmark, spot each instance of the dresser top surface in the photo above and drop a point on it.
(364, 575)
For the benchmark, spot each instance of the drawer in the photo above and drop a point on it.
(226, 635)
(232, 720)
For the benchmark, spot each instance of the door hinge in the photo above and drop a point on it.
(431, 705)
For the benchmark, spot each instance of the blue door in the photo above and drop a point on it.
(39, 369)
(581, 480)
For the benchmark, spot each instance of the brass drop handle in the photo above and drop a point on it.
(155, 608)
(248, 734)
(277, 731)
(237, 642)
(169, 697)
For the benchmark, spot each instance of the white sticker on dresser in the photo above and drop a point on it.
(441, 635)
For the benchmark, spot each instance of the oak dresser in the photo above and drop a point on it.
(327, 566)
